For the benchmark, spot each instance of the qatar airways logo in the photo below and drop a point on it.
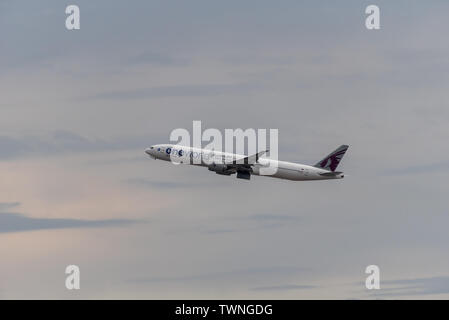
(235, 141)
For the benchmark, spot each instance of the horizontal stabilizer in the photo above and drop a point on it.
(331, 174)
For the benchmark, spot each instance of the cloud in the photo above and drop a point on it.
(154, 58)
(8, 205)
(16, 222)
(157, 184)
(414, 287)
(63, 141)
(58, 141)
(245, 223)
(174, 91)
(11, 147)
(418, 169)
(273, 217)
(283, 287)
(160, 184)
(219, 231)
(243, 274)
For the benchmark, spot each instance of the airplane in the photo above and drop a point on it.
(224, 163)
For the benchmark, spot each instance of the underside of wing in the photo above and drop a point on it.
(240, 166)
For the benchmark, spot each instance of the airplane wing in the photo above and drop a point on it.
(247, 161)
(240, 166)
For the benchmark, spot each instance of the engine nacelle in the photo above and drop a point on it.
(244, 175)
(218, 168)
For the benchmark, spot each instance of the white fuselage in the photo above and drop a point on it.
(204, 158)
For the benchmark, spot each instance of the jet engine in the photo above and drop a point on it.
(220, 169)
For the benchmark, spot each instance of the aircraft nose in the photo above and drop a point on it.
(148, 151)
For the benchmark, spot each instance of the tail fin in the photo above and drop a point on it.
(332, 160)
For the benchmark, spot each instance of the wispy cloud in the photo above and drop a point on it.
(160, 184)
(157, 183)
(418, 169)
(279, 271)
(283, 287)
(16, 222)
(273, 217)
(8, 205)
(62, 141)
(414, 287)
(155, 58)
(246, 223)
(174, 91)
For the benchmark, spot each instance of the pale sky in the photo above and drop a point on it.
(78, 108)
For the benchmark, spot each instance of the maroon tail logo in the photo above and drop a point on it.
(332, 160)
